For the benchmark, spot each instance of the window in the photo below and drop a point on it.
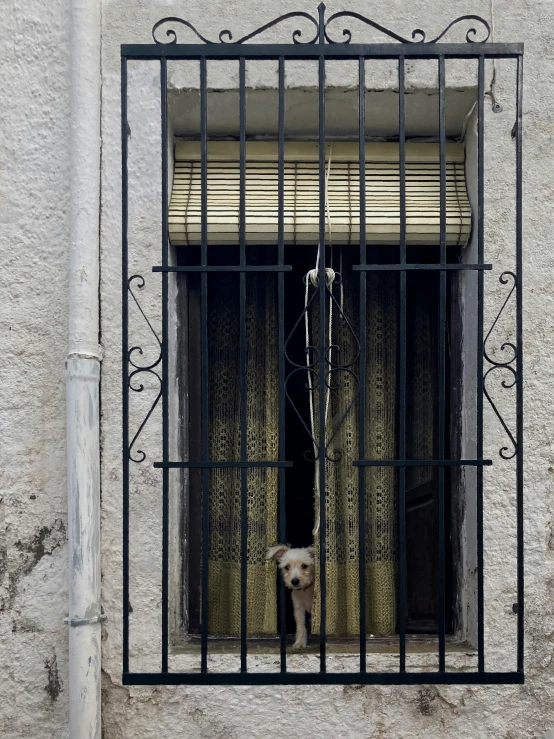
(316, 370)
(300, 388)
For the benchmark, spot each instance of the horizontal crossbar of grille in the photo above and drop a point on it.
(220, 465)
(309, 51)
(422, 462)
(328, 678)
(410, 267)
(226, 268)
(288, 268)
(356, 463)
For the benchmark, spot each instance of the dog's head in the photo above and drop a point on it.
(297, 565)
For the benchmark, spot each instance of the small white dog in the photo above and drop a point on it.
(297, 568)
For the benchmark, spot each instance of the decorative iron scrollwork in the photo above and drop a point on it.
(321, 29)
(505, 364)
(418, 36)
(140, 370)
(226, 37)
(332, 370)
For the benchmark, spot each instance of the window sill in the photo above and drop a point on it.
(415, 644)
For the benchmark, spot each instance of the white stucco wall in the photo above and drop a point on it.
(34, 234)
(34, 231)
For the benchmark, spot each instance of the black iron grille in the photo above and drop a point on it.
(322, 48)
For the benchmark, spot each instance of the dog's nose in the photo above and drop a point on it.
(295, 581)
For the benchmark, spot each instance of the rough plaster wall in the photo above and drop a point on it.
(34, 231)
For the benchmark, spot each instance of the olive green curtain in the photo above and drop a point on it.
(342, 438)
(380, 380)
(224, 551)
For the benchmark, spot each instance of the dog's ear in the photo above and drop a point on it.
(311, 550)
(277, 551)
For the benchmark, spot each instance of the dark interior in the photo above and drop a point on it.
(299, 449)
(421, 503)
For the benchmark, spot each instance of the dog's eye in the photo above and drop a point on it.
(287, 567)
(304, 567)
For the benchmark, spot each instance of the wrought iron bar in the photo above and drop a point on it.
(329, 678)
(305, 51)
(322, 346)
(402, 373)
(243, 371)
(225, 268)
(421, 267)
(282, 533)
(222, 465)
(165, 371)
(519, 365)
(480, 350)
(204, 380)
(442, 368)
(362, 351)
(422, 462)
(125, 354)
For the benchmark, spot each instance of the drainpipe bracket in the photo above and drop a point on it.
(96, 356)
(85, 621)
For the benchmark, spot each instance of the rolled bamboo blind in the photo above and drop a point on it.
(301, 194)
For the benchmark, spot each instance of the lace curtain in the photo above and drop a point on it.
(224, 444)
(343, 446)
(342, 432)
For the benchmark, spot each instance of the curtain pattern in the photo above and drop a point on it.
(224, 445)
(342, 438)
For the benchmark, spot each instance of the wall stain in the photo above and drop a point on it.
(54, 685)
(380, 730)
(25, 626)
(349, 690)
(3, 562)
(42, 544)
(425, 700)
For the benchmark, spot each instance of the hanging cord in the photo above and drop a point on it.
(497, 108)
(312, 278)
(466, 119)
(329, 278)
(491, 92)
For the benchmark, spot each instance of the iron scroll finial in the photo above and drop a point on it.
(321, 24)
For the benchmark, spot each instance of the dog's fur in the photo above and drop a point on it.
(297, 565)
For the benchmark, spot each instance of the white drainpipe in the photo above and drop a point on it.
(83, 376)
